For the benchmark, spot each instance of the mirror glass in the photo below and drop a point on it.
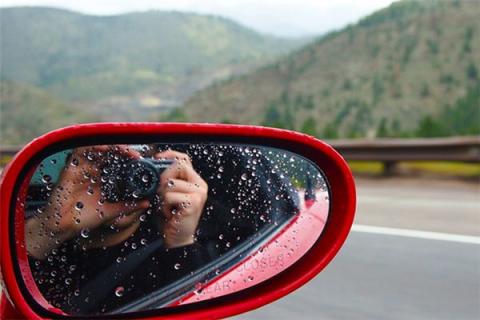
(113, 229)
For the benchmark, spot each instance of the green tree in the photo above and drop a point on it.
(330, 131)
(472, 72)
(463, 118)
(432, 46)
(309, 126)
(176, 115)
(273, 117)
(377, 89)
(467, 41)
(429, 128)
(227, 121)
(289, 118)
(347, 84)
(382, 130)
(425, 91)
(308, 103)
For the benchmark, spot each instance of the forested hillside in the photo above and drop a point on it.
(411, 69)
(60, 67)
(27, 112)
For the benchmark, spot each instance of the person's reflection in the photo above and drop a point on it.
(78, 225)
(89, 255)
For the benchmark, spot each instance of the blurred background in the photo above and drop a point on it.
(394, 86)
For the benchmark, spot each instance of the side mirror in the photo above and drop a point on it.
(177, 221)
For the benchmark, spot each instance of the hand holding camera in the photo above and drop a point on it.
(102, 191)
(184, 194)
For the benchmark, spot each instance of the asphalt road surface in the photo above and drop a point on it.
(399, 274)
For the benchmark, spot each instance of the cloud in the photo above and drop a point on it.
(280, 17)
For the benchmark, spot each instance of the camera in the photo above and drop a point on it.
(126, 179)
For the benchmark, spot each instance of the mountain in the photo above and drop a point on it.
(27, 112)
(158, 58)
(409, 69)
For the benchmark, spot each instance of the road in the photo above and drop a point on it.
(390, 276)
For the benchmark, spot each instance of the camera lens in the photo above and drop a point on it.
(142, 178)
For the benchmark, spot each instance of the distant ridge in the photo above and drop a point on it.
(84, 57)
(411, 69)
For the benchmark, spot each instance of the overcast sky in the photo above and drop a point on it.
(279, 17)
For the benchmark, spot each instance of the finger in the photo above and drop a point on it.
(177, 185)
(113, 210)
(127, 151)
(182, 172)
(173, 203)
(170, 154)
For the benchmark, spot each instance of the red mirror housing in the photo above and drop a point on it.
(16, 300)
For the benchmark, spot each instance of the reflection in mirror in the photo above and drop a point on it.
(121, 228)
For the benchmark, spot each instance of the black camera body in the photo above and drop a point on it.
(127, 179)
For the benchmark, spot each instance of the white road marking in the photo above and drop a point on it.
(421, 202)
(416, 234)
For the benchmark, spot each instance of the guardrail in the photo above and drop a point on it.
(388, 151)
(392, 151)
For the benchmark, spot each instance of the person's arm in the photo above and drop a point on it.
(75, 204)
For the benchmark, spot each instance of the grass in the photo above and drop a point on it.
(4, 160)
(366, 167)
(446, 168)
(441, 168)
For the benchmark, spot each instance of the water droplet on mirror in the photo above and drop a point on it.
(143, 241)
(46, 178)
(220, 237)
(75, 162)
(198, 289)
(134, 246)
(250, 278)
(85, 233)
(136, 194)
(177, 266)
(243, 177)
(220, 169)
(145, 178)
(79, 206)
(170, 183)
(119, 291)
